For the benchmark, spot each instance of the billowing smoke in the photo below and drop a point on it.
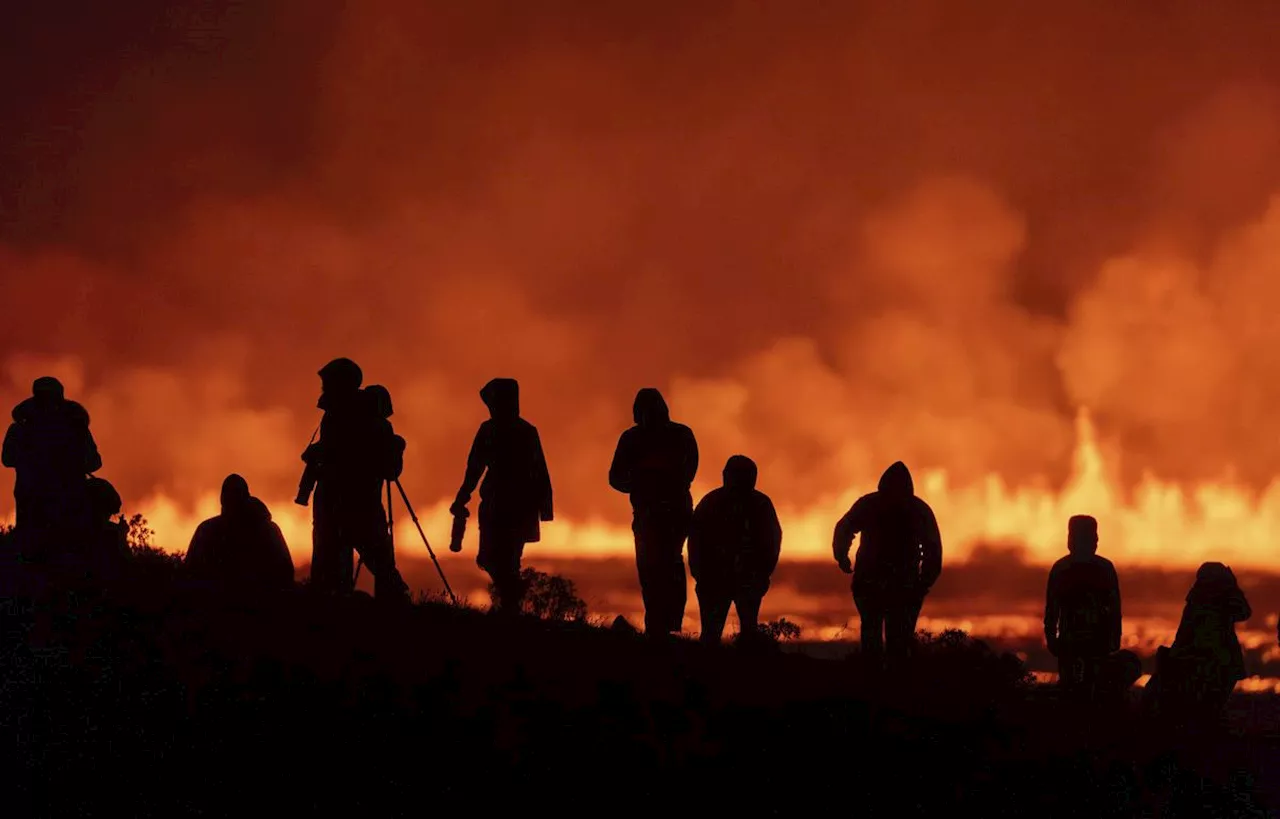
(835, 234)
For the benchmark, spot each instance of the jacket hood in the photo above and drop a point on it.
(1213, 581)
(235, 494)
(650, 408)
(896, 480)
(740, 472)
(502, 397)
(379, 400)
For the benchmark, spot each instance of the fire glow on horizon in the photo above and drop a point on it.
(1157, 524)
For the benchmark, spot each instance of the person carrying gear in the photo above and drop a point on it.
(1082, 609)
(655, 463)
(241, 551)
(50, 447)
(350, 462)
(515, 497)
(897, 562)
(734, 544)
(1195, 676)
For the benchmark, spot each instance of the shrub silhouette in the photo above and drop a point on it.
(550, 597)
(780, 630)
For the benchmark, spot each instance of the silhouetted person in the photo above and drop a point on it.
(515, 497)
(109, 543)
(897, 562)
(357, 451)
(655, 463)
(50, 447)
(241, 551)
(1199, 671)
(734, 543)
(1082, 609)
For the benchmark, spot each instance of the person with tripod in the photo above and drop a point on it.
(515, 497)
(357, 452)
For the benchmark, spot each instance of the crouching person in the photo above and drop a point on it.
(241, 551)
(734, 544)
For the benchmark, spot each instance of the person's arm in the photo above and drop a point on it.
(284, 569)
(620, 469)
(1116, 622)
(931, 547)
(690, 465)
(12, 445)
(542, 475)
(197, 558)
(1239, 607)
(774, 528)
(847, 527)
(697, 536)
(477, 462)
(1052, 612)
(92, 458)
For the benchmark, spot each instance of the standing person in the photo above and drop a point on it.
(515, 497)
(50, 447)
(655, 464)
(897, 562)
(1082, 619)
(734, 545)
(349, 462)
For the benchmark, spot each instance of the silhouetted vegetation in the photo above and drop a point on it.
(550, 597)
(780, 630)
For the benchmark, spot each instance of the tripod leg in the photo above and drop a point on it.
(413, 515)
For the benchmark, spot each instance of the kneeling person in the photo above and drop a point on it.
(241, 550)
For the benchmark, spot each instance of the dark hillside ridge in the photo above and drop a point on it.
(152, 700)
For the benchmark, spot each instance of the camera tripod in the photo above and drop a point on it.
(391, 534)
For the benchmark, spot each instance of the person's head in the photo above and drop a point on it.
(47, 389)
(1082, 535)
(1215, 574)
(235, 494)
(380, 399)
(650, 408)
(740, 473)
(340, 376)
(502, 397)
(896, 481)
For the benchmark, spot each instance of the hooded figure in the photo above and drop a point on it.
(1082, 609)
(50, 447)
(1197, 674)
(350, 461)
(241, 550)
(655, 464)
(734, 544)
(897, 562)
(515, 497)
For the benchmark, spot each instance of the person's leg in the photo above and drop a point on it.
(871, 613)
(898, 633)
(747, 603)
(331, 550)
(713, 607)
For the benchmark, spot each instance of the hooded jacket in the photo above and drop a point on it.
(736, 538)
(516, 493)
(50, 446)
(656, 460)
(901, 547)
(1207, 631)
(242, 549)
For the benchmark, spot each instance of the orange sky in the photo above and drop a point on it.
(833, 236)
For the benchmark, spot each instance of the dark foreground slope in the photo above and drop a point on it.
(152, 701)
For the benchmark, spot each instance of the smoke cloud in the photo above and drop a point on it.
(835, 235)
